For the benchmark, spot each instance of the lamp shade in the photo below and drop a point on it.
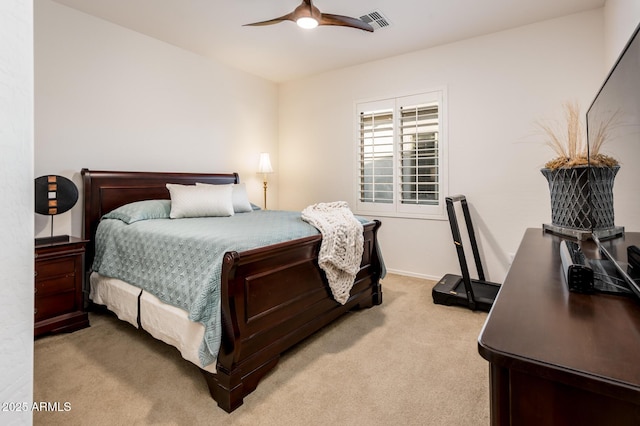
(264, 166)
(54, 195)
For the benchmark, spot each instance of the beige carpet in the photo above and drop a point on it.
(406, 361)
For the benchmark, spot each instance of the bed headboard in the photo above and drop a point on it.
(107, 190)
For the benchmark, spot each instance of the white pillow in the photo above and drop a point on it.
(200, 201)
(239, 197)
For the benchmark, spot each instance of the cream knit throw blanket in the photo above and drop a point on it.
(342, 245)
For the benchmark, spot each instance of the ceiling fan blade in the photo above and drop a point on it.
(344, 21)
(287, 17)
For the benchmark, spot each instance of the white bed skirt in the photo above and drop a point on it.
(164, 322)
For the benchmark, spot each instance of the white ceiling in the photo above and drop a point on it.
(282, 52)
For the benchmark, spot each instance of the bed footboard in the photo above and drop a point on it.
(274, 297)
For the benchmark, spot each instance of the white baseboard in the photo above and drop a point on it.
(413, 274)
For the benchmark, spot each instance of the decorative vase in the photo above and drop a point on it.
(582, 201)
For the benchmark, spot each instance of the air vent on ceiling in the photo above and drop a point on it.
(376, 19)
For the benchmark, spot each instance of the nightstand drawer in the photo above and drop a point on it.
(55, 267)
(55, 285)
(57, 304)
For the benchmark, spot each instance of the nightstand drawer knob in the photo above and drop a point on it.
(35, 311)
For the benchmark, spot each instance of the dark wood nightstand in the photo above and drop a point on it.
(59, 283)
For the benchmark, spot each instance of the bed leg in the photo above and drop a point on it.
(377, 299)
(369, 298)
(377, 294)
(229, 389)
(226, 389)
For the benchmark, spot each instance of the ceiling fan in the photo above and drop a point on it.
(308, 16)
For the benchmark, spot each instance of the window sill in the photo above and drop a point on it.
(421, 216)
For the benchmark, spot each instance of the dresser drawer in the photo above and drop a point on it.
(56, 304)
(55, 267)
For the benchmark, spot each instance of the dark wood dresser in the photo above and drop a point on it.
(557, 357)
(59, 283)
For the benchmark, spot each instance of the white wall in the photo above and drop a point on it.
(16, 193)
(108, 98)
(621, 17)
(498, 85)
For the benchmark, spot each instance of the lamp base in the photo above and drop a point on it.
(52, 240)
(265, 193)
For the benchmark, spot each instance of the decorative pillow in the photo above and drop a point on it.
(239, 195)
(200, 200)
(141, 210)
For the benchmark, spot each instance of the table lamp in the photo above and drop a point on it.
(264, 167)
(54, 195)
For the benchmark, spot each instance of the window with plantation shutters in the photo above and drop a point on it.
(400, 151)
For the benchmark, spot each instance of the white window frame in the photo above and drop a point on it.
(396, 208)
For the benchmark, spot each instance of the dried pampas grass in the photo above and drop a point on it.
(569, 143)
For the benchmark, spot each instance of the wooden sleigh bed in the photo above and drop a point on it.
(261, 315)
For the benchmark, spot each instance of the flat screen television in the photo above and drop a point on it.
(619, 97)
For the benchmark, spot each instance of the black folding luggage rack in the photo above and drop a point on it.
(475, 294)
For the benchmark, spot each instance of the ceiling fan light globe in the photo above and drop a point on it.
(307, 22)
